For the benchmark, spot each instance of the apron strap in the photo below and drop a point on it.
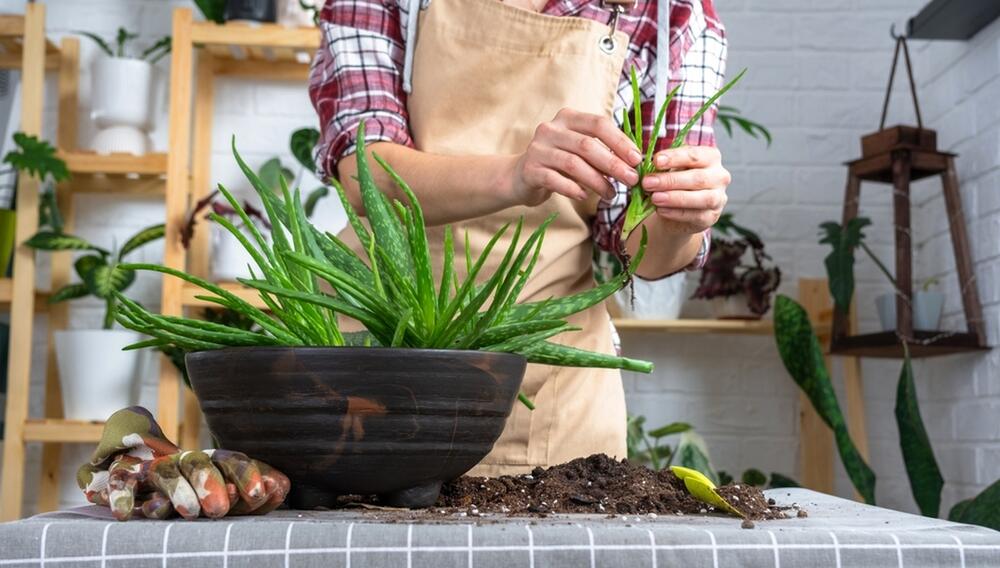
(413, 10)
(662, 57)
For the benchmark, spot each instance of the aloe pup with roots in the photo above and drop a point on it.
(391, 288)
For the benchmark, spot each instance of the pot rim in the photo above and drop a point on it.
(367, 350)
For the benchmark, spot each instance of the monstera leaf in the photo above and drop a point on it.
(926, 481)
(803, 358)
(840, 261)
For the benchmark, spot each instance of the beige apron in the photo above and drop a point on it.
(485, 75)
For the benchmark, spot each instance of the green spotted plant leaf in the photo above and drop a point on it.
(802, 355)
(926, 480)
(982, 510)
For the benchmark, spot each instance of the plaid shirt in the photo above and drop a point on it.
(358, 75)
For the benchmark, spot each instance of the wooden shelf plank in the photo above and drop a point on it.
(263, 35)
(6, 290)
(92, 163)
(57, 430)
(887, 345)
(7, 293)
(744, 327)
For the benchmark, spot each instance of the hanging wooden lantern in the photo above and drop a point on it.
(898, 155)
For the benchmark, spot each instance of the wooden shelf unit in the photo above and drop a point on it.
(55, 430)
(24, 46)
(136, 176)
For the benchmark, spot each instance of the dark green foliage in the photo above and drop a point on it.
(213, 10)
(801, 353)
(840, 261)
(982, 510)
(926, 481)
(36, 157)
(727, 116)
(754, 477)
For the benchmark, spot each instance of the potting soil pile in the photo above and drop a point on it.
(597, 484)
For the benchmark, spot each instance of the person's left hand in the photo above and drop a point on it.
(135, 468)
(688, 187)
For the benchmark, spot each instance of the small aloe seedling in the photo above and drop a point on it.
(640, 205)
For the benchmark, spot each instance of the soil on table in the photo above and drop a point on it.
(597, 484)
(594, 485)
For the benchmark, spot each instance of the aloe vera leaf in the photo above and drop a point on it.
(515, 279)
(525, 343)
(447, 269)
(419, 247)
(397, 336)
(382, 219)
(525, 400)
(636, 109)
(682, 135)
(657, 126)
(802, 355)
(500, 333)
(245, 219)
(565, 356)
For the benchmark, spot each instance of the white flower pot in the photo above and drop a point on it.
(659, 299)
(229, 259)
(291, 14)
(927, 307)
(733, 307)
(97, 377)
(122, 99)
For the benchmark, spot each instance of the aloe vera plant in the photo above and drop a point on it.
(640, 205)
(391, 288)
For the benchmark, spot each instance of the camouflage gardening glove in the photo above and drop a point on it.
(135, 468)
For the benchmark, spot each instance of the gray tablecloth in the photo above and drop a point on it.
(837, 533)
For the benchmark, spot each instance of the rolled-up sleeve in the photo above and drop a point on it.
(357, 76)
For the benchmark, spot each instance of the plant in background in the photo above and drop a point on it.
(727, 116)
(101, 272)
(640, 206)
(844, 240)
(391, 289)
(37, 157)
(646, 447)
(218, 316)
(213, 10)
(122, 41)
(758, 478)
(725, 273)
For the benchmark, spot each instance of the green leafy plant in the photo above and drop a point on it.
(726, 273)
(983, 509)
(391, 289)
(840, 261)
(37, 157)
(728, 116)
(926, 481)
(640, 206)
(101, 272)
(802, 355)
(646, 447)
(120, 48)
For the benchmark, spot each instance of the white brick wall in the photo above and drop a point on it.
(817, 73)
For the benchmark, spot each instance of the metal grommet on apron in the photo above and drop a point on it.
(609, 43)
(482, 89)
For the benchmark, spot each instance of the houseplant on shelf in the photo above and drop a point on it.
(738, 289)
(96, 375)
(927, 302)
(252, 10)
(419, 397)
(122, 92)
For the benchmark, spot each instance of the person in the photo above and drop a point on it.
(498, 109)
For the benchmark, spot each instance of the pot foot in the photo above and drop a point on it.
(417, 497)
(309, 497)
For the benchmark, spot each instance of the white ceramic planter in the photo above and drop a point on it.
(927, 307)
(659, 299)
(291, 14)
(229, 258)
(122, 99)
(97, 377)
(733, 307)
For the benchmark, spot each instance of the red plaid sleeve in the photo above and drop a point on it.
(697, 52)
(357, 75)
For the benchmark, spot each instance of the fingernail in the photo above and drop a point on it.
(662, 161)
(631, 177)
(651, 182)
(634, 157)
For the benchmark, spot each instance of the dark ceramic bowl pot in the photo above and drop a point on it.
(349, 420)
(253, 10)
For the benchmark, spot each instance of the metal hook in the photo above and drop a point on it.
(893, 34)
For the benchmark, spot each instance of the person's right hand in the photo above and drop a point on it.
(573, 155)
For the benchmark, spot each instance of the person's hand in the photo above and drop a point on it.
(688, 188)
(573, 155)
(135, 468)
